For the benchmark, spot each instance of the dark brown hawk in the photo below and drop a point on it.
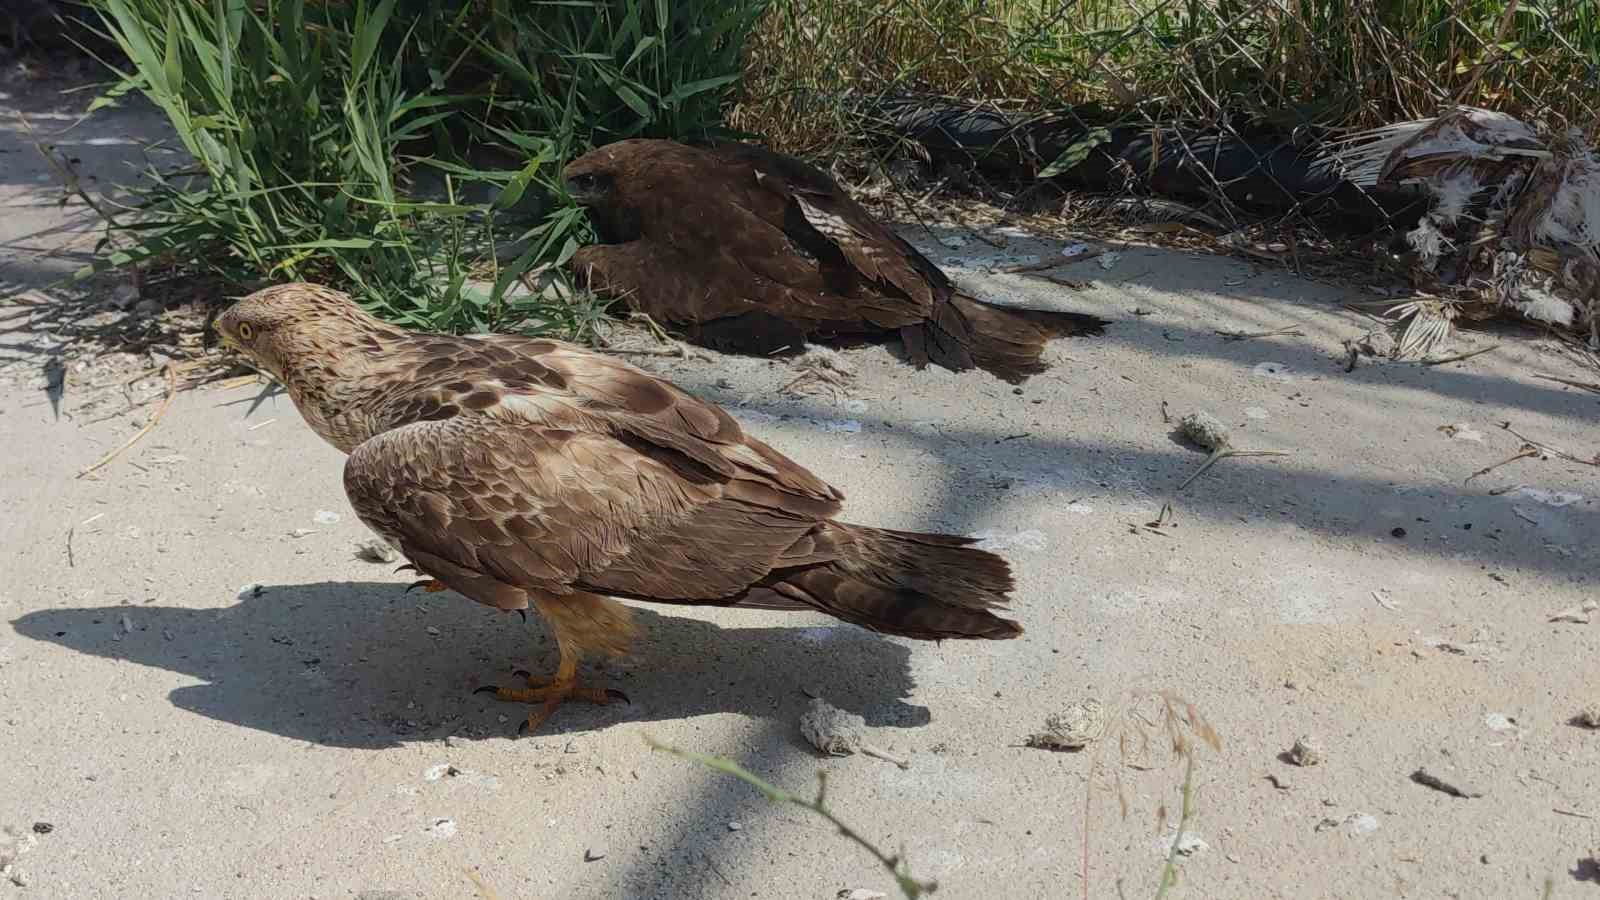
(750, 251)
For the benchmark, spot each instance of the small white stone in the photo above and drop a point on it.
(376, 551)
(1362, 823)
(1204, 429)
(1306, 751)
(1073, 728)
(832, 730)
(1273, 371)
(1499, 722)
(1190, 844)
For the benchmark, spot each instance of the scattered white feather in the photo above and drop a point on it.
(1544, 306)
(1454, 189)
(1573, 217)
(1429, 242)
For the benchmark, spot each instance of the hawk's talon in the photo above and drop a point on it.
(428, 585)
(550, 693)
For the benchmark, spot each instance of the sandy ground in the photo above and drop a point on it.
(205, 692)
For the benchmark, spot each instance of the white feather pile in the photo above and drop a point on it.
(1464, 132)
(1532, 248)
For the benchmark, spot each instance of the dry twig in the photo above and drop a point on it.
(1042, 265)
(171, 372)
(1571, 382)
(1222, 453)
(1534, 449)
(1458, 357)
(1250, 335)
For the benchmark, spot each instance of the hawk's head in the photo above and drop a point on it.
(619, 181)
(278, 327)
(592, 178)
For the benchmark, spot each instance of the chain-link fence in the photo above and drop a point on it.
(1307, 70)
(1300, 113)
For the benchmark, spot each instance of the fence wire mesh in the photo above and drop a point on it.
(1261, 84)
(1462, 129)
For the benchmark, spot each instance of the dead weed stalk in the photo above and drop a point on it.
(1181, 724)
(895, 863)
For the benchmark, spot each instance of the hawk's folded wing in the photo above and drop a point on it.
(552, 494)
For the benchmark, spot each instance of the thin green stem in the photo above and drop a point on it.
(1169, 873)
(911, 887)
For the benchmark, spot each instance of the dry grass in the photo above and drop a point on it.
(813, 68)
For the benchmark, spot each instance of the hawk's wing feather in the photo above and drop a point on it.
(871, 248)
(631, 401)
(546, 493)
(719, 238)
(674, 285)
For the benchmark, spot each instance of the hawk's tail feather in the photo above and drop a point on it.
(927, 586)
(965, 333)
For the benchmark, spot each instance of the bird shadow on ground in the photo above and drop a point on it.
(346, 664)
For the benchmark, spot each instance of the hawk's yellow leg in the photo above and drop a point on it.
(552, 691)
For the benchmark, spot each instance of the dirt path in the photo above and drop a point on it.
(205, 692)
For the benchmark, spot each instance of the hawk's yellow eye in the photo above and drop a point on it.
(247, 331)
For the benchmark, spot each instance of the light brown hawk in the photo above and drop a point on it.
(524, 472)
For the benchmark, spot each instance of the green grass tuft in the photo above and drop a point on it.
(337, 142)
